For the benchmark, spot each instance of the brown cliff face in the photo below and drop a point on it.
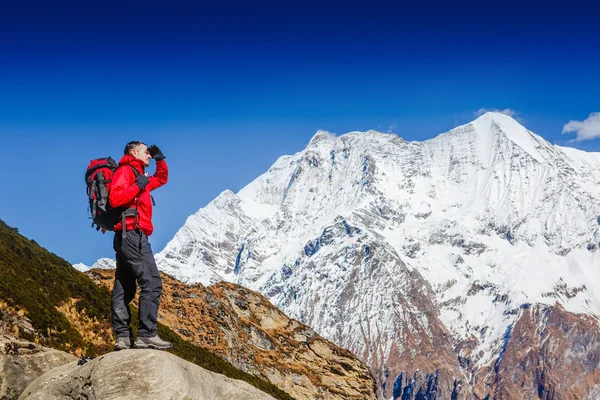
(549, 353)
(244, 328)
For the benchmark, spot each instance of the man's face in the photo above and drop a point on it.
(141, 153)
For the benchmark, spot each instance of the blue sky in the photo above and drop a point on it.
(225, 90)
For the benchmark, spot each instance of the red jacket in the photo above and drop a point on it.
(125, 193)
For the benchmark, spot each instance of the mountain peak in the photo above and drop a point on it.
(497, 118)
(322, 136)
(495, 114)
(491, 122)
(226, 199)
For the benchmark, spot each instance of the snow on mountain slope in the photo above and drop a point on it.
(396, 249)
(81, 267)
(103, 263)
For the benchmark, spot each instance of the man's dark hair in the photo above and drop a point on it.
(131, 145)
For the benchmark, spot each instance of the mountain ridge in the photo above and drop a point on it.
(489, 216)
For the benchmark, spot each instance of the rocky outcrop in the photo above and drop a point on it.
(549, 353)
(241, 326)
(138, 374)
(21, 362)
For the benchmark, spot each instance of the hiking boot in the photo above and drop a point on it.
(154, 342)
(123, 343)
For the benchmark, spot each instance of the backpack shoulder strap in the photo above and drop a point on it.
(130, 212)
(135, 171)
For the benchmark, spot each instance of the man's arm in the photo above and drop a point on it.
(160, 177)
(122, 191)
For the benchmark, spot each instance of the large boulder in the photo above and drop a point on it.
(138, 374)
(21, 362)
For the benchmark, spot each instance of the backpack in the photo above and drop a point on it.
(98, 178)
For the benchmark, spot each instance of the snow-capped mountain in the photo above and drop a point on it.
(419, 257)
(103, 263)
(81, 267)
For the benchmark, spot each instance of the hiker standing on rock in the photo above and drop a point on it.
(130, 189)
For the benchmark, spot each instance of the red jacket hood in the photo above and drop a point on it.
(131, 160)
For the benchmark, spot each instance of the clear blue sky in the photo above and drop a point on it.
(226, 90)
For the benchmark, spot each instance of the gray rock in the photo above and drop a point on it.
(22, 362)
(138, 374)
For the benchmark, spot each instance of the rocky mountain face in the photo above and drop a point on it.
(244, 328)
(429, 260)
(549, 354)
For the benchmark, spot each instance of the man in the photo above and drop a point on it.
(130, 190)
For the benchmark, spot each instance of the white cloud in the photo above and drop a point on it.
(587, 129)
(392, 127)
(507, 111)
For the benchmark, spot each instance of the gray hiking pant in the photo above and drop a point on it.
(135, 263)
